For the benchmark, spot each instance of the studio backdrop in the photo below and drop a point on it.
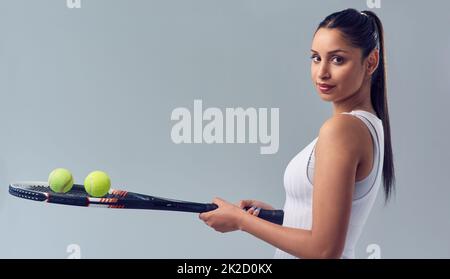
(131, 88)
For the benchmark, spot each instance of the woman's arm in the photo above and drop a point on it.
(338, 153)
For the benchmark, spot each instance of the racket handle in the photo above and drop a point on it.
(274, 216)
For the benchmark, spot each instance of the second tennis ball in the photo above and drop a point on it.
(60, 180)
(97, 184)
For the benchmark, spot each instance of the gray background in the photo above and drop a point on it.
(94, 88)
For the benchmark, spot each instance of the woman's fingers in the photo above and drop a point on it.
(253, 206)
(245, 203)
(254, 210)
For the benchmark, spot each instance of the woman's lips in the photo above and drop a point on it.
(325, 88)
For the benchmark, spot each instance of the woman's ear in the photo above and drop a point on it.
(372, 61)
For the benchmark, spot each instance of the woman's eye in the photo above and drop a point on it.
(315, 58)
(338, 59)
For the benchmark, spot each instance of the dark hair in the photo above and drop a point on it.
(365, 31)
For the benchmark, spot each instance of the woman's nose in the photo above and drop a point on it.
(323, 71)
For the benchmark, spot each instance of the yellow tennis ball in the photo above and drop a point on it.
(97, 184)
(60, 180)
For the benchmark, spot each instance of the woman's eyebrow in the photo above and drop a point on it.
(333, 51)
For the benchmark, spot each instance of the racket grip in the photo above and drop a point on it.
(210, 207)
(274, 216)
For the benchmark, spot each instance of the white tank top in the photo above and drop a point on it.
(298, 184)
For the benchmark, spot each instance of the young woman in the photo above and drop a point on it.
(332, 183)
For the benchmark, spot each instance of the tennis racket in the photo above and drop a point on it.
(40, 191)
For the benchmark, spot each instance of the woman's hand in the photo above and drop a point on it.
(225, 218)
(255, 206)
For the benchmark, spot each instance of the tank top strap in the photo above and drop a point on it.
(363, 187)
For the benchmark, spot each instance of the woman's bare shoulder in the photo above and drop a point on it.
(343, 123)
(344, 129)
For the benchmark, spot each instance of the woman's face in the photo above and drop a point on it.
(336, 68)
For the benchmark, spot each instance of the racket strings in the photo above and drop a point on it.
(39, 188)
(24, 194)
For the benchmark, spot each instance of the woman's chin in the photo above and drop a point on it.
(326, 97)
